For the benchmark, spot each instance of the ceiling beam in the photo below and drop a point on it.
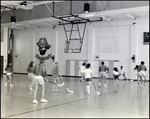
(115, 12)
(130, 16)
(12, 8)
(100, 5)
(49, 9)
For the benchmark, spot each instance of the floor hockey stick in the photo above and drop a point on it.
(52, 82)
(62, 81)
(60, 85)
(70, 91)
(19, 81)
(95, 88)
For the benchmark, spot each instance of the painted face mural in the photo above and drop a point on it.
(43, 45)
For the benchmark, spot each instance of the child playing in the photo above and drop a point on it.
(142, 72)
(40, 74)
(103, 69)
(137, 75)
(56, 76)
(122, 72)
(116, 74)
(88, 77)
(82, 68)
(30, 74)
(9, 73)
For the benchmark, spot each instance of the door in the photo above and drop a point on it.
(2, 64)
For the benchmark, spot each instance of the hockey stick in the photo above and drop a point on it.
(54, 83)
(95, 88)
(62, 81)
(18, 81)
(70, 91)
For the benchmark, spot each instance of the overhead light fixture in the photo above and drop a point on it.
(13, 19)
(86, 7)
(23, 4)
(101, 18)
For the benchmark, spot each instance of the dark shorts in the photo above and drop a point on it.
(116, 76)
(88, 79)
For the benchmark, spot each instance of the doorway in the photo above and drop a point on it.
(2, 64)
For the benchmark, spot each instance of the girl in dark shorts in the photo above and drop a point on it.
(116, 74)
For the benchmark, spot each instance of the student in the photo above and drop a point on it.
(82, 68)
(103, 72)
(40, 74)
(9, 73)
(142, 72)
(56, 76)
(116, 74)
(136, 69)
(122, 72)
(30, 75)
(88, 77)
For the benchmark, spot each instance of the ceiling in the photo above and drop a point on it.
(121, 14)
(30, 4)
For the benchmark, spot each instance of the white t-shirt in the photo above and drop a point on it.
(82, 68)
(115, 73)
(88, 73)
(122, 71)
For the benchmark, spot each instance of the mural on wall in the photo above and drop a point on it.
(43, 47)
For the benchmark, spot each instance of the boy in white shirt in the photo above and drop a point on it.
(82, 68)
(122, 72)
(88, 77)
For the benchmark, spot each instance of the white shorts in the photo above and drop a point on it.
(8, 73)
(103, 74)
(39, 80)
(31, 76)
(142, 73)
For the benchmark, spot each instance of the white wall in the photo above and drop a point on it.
(4, 46)
(96, 33)
(25, 48)
(119, 40)
(143, 49)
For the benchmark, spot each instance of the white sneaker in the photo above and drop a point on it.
(99, 84)
(53, 91)
(105, 86)
(88, 92)
(98, 93)
(11, 85)
(6, 84)
(35, 101)
(30, 89)
(44, 100)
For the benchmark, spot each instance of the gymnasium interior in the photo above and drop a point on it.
(77, 32)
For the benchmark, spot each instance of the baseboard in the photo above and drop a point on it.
(74, 76)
